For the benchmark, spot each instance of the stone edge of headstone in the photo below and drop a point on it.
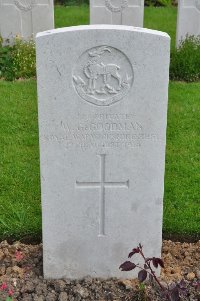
(96, 27)
(178, 25)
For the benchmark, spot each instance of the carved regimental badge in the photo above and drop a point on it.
(103, 75)
(25, 5)
(116, 8)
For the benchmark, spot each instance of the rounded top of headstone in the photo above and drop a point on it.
(102, 27)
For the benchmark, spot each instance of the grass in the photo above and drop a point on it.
(182, 179)
(163, 19)
(19, 160)
(71, 15)
(20, 212)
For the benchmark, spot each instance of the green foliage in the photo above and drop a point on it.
(147, 2)
(18, 61)
(6, 62)
(24, 59)
(158, 2)
(185, 61)
(72, 2)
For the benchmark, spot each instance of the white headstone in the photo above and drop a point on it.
(25, 18)
(188, 21)
(103, 94)
(118, 12)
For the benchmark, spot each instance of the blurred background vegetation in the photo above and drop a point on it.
(147, 2)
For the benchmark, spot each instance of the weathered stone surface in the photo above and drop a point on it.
(118, 12)
(25, 18)
(188, 21)
(102, 117)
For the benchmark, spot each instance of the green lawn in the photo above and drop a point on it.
(20, 213)
(71, 15)
(19, 160)
(182, 178)
(159, 18)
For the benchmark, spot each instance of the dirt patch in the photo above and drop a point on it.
(21, 271)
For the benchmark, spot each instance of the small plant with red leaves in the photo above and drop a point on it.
(6, 291)
(170, 293)
(19, 255)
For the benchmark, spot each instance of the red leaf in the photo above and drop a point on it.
(142, 275)
(19, 255)
(160, 262)
(3, 287)
(10, 293)
(155, 263)
(148, 259)
(134, 251)
(127, 266)
(130, 254)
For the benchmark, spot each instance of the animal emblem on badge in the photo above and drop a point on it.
(25, 5)
(119, 8)
(103, 75)
(197, 4)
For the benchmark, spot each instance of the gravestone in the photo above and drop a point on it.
(25, 18)
(102, 121)
(188, 20)
(118, 12)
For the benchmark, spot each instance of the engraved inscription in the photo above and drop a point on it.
(105, 131)
(25, 5)
(103, 75)
(102, 184)
(116, 9)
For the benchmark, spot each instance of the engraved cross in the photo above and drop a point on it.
(102, 184)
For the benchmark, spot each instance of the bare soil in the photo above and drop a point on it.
(21, 270)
